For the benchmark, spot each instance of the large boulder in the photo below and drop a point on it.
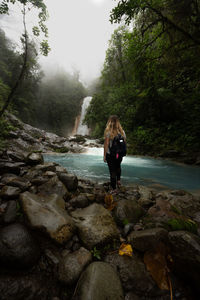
(47, 213)
(18, 249)
(29, 287)
(95, 225)
(127, 211)
(72, 265)
(133, 274)
(69, 180)
(100, 282)
(11, 212)
(9, 192)
(34, 158)
(54, 186)
(185, 251)
(10, 167)
(145, 240)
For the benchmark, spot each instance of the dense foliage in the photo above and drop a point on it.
(51, 103)
(151, 76)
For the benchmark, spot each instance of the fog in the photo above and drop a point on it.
(79, 31)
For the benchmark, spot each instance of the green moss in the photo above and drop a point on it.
(62, 150)
(182, 224)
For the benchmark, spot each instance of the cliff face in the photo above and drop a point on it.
(26, 138)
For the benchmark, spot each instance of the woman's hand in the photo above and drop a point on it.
(104, 158)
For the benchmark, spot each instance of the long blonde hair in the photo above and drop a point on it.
(113, 127)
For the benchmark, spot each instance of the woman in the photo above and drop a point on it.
(113, 129)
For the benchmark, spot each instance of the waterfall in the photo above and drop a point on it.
(81, 128)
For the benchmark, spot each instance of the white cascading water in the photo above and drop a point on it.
(82, 128)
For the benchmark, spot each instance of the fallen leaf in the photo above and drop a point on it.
(156, 264)
(109, 201)
(125, 249)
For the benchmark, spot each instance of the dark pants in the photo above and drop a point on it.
(114, 166)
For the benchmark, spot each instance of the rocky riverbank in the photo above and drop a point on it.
(60, 237)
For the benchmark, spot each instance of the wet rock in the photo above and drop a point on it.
(9, 167)
(11, 212)
(18, 249)
(69, 180)
(9, 192)
(72, 265)
(100, 282)
(46, 166)
(127, 211)
(145, 240)
(85, 188)
(185, 203)
(52, 258)
(146, 197)
(34, 158)
(160, 212)
(80, 201)
(6, 178)
(16, 156)
(95, 225)
(133, 274)
(54, 186)
(47, 213)
(22, 183)
(23, 287)
(49, 174)
(60, 169)
(185, 251)
(131, 296)
(40, 180)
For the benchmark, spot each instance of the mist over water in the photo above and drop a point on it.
(135, 170)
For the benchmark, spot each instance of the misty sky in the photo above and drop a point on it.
(79, 31)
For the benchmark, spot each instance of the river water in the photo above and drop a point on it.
(135, 170)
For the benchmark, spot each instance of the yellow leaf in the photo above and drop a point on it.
(125, 249)
(109, 201)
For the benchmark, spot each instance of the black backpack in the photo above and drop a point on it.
(118, 148)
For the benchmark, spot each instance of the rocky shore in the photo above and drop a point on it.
(66, 238)
(60, 238)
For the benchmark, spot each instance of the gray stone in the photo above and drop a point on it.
(22, 183)
(24, 287)
(46, 166)
(11, 212)
(47, 213)
(6, 178)
(95, 225)
(127, 211)
(72, 265)
(146, 197)
(80, 201)
(34, 158)
(16, 156)
(69, 180)
(133, 274)
(9, 167)
(18, 249)
(60, 169)
(54, 186)
(9, 192)
(185, 246)
(185, 252)
(148, 239)
(100, 282)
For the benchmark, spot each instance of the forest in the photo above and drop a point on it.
(151, 76)
(150, 79)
